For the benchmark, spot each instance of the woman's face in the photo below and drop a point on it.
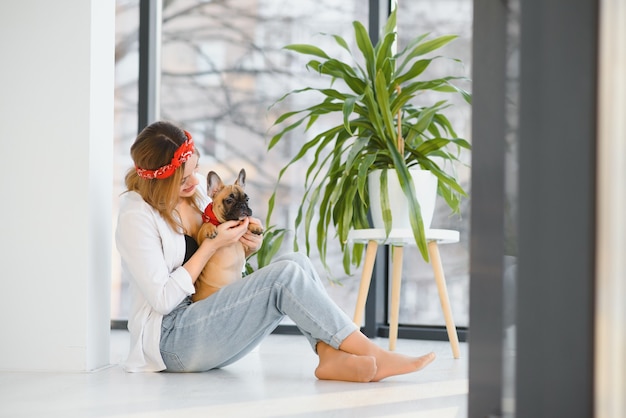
(189, 181)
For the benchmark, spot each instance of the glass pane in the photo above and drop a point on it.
(419, 303)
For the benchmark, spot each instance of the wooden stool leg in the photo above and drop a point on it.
(366, 278)
(396, 281)
(435, 259)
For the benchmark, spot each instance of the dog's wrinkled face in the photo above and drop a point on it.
(230, 203)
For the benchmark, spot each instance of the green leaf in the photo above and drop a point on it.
(429, 46)
(451, 88)
(432, 145)
(340, 70)
(385, 207)
(373, 115)
(426, 116)
(364, 168)
(307, 50)
(384, 59)
(408, 188)
(348, 108)
(341, 42)
(365, 46)
(355, 150)
(382, 99)
(279, 135)
(416, 69)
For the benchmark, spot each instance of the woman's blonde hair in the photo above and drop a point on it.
(154, 147)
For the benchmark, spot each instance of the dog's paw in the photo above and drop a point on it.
(209, 230)
(256, 230)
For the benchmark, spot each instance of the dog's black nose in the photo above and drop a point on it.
(244, 208)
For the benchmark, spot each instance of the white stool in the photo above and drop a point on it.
(398, 238)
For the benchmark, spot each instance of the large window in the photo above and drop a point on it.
(222, 67)
(420, 301)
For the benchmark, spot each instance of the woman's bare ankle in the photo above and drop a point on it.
(339, 365)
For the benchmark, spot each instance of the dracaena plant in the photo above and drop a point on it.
(380, 126)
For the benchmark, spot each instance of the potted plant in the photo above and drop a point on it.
(379, 126)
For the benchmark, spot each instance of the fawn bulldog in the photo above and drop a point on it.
(229, 203)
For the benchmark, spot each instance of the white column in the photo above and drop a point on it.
(610, 366)
(56, 106)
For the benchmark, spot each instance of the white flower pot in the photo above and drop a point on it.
(426, 191)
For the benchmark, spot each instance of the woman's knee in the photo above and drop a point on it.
(304, 262)
(296, 257)
(294, 269)
(289, 272)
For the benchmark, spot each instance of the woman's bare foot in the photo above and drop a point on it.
(392, 364)
(339, 365)
(388, 363)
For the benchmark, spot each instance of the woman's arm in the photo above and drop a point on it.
(149, 250)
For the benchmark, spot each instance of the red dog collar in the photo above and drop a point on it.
(209, 216)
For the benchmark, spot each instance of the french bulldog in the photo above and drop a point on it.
(228, 203)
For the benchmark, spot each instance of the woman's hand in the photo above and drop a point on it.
(252, 242)
(230, 232)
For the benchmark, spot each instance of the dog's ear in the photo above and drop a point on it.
(214, 184)
(241, 179)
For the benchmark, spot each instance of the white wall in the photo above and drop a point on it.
(56, 113)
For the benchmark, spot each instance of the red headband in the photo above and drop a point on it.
(181, 155)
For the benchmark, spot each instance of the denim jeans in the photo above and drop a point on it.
(224, 327)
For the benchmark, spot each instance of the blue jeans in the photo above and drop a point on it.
(224, 327)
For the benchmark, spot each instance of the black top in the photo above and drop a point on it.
(190, 247)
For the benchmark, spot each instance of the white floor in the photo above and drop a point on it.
(276, 380)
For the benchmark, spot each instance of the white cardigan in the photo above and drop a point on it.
(152, 256)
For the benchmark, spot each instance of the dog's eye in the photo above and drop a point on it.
(228, 201)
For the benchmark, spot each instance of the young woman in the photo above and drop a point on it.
(159, 215)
